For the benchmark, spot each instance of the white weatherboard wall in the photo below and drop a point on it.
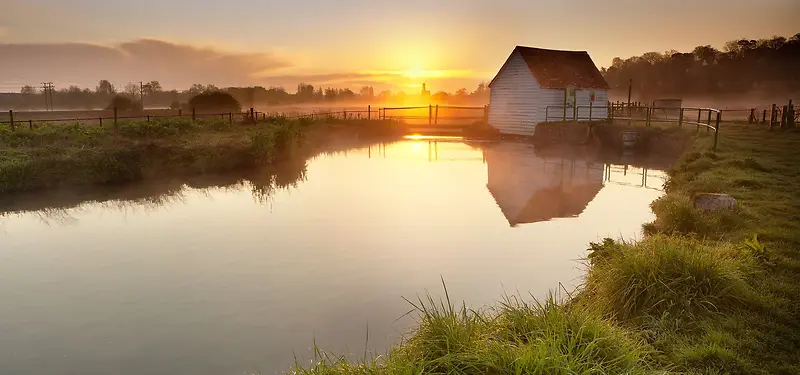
(514, 97)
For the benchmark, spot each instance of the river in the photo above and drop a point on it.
(241, 276)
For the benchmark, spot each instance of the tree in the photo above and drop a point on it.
(27, 90)
(305, 92)
(367, 92)
(105, 87)
(744, 65)
(152, 87)
(132, 89)
(331, 93)
(196, 88)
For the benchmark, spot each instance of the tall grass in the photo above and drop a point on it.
(677, 276)
(516, 337)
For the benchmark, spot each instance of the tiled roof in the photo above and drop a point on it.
(555, 69)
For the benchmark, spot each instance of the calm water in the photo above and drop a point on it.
(168, 279)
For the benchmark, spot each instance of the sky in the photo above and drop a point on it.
(394, 45)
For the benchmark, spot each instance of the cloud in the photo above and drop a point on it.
(328, 78)
(174, 65)
(441, 79)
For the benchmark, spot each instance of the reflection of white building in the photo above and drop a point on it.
(530, 188)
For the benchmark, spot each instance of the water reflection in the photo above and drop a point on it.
(239, 273)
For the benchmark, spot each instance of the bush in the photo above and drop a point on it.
(123, 103)
(215, 101)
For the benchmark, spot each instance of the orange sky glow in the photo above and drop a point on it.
(351, 43)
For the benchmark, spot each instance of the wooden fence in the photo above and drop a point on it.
(432, 115)
(708, 118)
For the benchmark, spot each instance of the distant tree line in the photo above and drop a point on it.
(152, 95)
(770, 67)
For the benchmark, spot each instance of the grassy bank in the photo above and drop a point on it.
(700, 294)
(47, 156)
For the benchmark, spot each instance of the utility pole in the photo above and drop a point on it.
(47, 90)
(44, 92)
(141, 94)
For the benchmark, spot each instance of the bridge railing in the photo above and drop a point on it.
(708, 118)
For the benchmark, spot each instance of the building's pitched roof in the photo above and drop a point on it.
(550, 203)
(555, 69)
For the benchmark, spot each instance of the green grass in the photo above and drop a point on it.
(516, 337)
(58, 155)
(702, 293)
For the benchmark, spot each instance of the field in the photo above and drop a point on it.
(702, 293)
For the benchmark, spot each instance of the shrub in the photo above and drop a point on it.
(215, 101)
(124, 103)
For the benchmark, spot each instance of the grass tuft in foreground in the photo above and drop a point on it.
(669, 276)
(516, 337)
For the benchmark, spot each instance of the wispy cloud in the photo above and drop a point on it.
(175, 65)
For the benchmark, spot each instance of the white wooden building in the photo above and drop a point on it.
(534, 78)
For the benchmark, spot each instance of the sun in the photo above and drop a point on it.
(415, 73)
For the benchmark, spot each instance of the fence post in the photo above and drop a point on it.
(344, 115)
(680, 119)
(252, 114)
(180, 112)
(647, 116)
(30, 124)
(11, 116)
(148, 118)
(752, 117)
(115, 117)
(230, 118)
(699, 118)
(785, 116)
(194, 114)
(772, 115)
(430, 114)
(101, 121)
(575, 111)
(709, 121)
(764, 117)
(716, 129)
(590, 110)
(369, 112)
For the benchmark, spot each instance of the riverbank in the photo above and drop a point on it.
(700, 294)
(67, 155)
